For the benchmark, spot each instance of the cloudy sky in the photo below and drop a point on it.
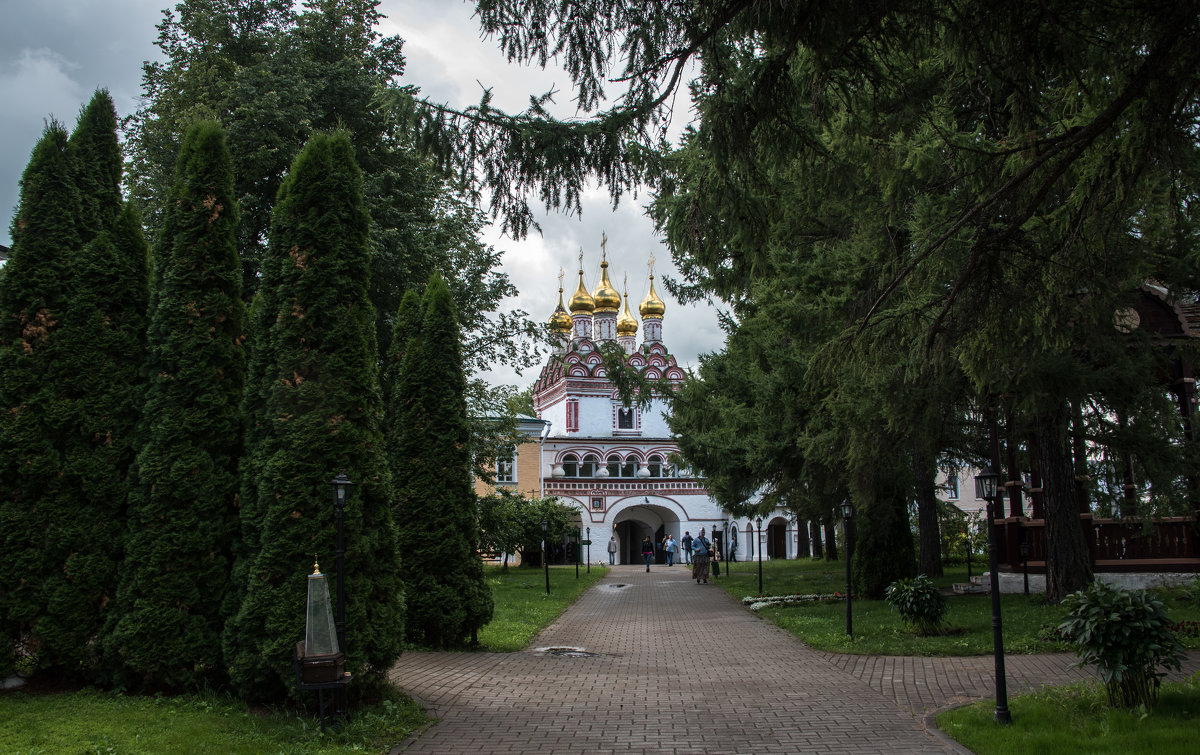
(55, 53)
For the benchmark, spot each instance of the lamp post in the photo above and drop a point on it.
(577, 553)
(758, 547)
(545, 553)
(968, 531)
(341, 489)
(847, 515)
(985, 488)
(589, 550)
(1025, 561)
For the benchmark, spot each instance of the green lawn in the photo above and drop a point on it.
(1076, 718)
(90, 721)
(878, 630)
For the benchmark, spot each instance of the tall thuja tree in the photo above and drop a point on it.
(322, 403)
(165, 629)
(34, 292)
(97, 153)
(447, 598)
(98, 394)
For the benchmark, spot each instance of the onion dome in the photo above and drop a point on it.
(626, 324)
(582, 302)
(652, 306)
(560, 321)
(606, 297)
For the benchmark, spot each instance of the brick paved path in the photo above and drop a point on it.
(650, 630)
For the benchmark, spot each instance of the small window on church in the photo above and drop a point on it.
(588, 468)
(572, 416)
(952, 487)
(614, 466)
(629, 468)
(655, 464)
(624, 419)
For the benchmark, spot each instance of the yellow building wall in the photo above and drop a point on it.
(529, 464)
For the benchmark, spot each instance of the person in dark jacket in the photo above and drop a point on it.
(648, 551)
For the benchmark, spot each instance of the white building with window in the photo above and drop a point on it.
(615, 463)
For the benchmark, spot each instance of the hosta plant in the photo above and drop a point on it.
(1127, 636)
(919, 602)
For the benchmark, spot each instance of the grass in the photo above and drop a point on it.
(1076, 718)
(522, 608)
(93, 721)
(878, 630)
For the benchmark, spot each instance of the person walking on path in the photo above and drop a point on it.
(648, 551)
(700, 547)
(715, 561)
(686, 542)
(612, 550)
(670, 549)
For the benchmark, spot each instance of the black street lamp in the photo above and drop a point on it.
(758, 547)
(577, 553)
(847, 516)
(968, 531)
(341, 489)
(589, 549)
(546, 553)
(985, 488)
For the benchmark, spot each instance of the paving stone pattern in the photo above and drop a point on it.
(681, 668)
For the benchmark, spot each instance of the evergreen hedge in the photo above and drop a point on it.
(437, 509)
(165, 628)
(321, 404)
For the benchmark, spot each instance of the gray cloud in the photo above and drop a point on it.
(55, 53)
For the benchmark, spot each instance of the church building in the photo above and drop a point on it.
(619, 464)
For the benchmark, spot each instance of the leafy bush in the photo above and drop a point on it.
(1126, 635)
(919, 602)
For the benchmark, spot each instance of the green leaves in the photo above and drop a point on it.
(1126, 635)
(919, 602)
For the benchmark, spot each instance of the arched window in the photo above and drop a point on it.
(570, 465)
(656, 466)
(629, 468)
(614, 466)
(588, 468)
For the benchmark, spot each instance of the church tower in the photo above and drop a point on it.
(651, 310)
(608, 301)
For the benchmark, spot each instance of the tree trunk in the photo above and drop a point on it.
(814, 531)
(1068, 564)
(802, 541)
(831, 549)
(929, 536)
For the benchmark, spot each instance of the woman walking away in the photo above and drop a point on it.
(648, 551)
(612, 550)
(700, 546)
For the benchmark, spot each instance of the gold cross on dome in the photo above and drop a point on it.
(650, 264)
(560, 277)
(603, 245)
(581, 259)
(626, 285)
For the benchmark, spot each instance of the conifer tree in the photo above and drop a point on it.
(102, 349)
(165, 629)
(93, 145)
(323, 410)
(34, 291)
(443, 573)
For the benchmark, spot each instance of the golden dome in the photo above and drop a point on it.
(582, 301)
(652, 306)
(626, 324)
(560, 321)
(606, 297)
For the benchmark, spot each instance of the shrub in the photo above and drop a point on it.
(1126, 635)
(919, 602)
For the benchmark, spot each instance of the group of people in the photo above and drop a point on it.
(699, 552)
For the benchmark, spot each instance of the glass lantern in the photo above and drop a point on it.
(320, 635)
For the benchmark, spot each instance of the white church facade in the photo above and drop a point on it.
(619, 465)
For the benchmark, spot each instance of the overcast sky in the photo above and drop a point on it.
(55, 53)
